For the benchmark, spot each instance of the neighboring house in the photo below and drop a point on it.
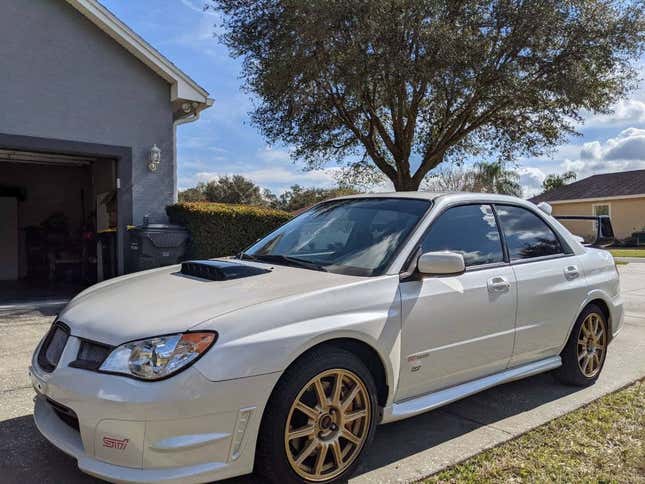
(87, 104)
(619, 195)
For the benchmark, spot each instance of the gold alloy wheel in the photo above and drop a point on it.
(592, 343)
(327, 425)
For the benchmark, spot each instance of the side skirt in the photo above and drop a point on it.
(429, 401)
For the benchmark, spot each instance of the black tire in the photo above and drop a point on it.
(271, 456)
(571, 373)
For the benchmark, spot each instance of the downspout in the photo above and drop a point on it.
(193, 115)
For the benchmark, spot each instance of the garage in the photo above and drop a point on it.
(58, 211)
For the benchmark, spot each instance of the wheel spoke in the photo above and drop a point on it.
(306, 452)
(350, 398)
(320, 460)
(338, 453)
(350, 436)
(582, 355)
(301, 432)
(338, 386)
(307, 410)
(320, 394)
(350, 417)
(596, 361)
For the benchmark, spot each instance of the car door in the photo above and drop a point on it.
(550, 283)
(459, 327)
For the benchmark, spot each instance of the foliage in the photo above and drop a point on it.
(218, 229)
(404, 85)
(496, 177)
(602, 442)
(297, 197)
(553, 181)
(234, 189)
(489, 177)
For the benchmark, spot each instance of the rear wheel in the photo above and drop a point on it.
(584, 355)
(319, 420)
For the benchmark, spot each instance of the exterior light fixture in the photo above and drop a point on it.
(154, 158)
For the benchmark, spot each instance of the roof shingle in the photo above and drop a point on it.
(618, 184)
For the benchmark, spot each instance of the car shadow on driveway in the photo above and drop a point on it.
(26, 457)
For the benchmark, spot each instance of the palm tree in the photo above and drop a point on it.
(496, 177)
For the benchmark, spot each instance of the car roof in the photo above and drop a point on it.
(453, 196)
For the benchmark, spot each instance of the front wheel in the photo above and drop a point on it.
(319, 420)
(584, 355)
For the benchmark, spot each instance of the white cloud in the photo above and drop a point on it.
(623, 152)
(531, 179)
(629, 111)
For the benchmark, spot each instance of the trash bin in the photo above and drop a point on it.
(155, 245)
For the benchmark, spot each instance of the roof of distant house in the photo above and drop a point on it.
(608, 185)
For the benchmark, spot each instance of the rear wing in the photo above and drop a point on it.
(603, 235)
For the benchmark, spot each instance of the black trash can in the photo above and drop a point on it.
(155, 245)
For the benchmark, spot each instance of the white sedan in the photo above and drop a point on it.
(362, 310)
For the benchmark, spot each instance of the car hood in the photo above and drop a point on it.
(163, 301)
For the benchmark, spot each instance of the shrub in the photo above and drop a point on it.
(220, 229)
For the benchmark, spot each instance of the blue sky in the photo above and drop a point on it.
(224, 142)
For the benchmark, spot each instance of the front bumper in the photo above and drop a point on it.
(183, 429)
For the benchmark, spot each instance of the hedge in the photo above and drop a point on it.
(221, 229)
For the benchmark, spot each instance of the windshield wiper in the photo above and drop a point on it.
(284, 259)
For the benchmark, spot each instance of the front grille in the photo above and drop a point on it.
(91, 355)
(53, 346)
(66, 414)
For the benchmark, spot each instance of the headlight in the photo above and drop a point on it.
(159, 357)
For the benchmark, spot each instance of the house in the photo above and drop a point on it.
(619, 195)
(87, 129)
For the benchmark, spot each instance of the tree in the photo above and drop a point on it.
(489, 177)
(450, 178)
(553, 181)
(234, 189)
(298, 197)
(194, 194)
(404, 85)
(495, 177)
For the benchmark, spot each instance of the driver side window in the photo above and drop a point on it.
(470, 230)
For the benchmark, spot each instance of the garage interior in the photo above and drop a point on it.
(59, 221)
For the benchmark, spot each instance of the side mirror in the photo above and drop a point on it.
(441, 263)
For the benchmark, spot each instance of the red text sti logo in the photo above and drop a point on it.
(112, 443)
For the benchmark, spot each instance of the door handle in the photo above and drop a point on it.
(498, 284)
(571, 272)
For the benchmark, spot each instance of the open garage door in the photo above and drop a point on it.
(57, 205)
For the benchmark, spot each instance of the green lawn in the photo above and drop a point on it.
(603, 442)
(628, 252)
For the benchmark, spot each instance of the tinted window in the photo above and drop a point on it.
(353, 236)
(470, 230)
(527, 235)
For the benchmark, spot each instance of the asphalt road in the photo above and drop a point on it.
(402, 451)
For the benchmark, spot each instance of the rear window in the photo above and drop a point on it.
(527, 235)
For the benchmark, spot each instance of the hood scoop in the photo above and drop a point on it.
(219, 270)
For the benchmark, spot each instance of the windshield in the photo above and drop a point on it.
(358, 236)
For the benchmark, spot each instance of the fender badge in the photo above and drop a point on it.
(112, 443)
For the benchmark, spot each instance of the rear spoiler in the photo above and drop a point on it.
(604, 231)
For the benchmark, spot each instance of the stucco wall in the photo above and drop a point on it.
(61, 77)
(627, 215)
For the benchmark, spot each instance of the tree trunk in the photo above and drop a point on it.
(405, 184)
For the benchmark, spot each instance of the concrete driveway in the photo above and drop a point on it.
(402, 451)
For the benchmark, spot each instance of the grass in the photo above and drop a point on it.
(603, 442)
(628, 252)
